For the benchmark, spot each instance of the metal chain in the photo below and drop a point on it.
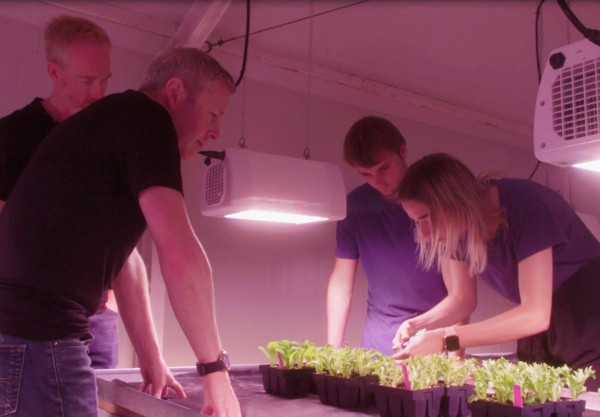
(242, 141)
(309, 82)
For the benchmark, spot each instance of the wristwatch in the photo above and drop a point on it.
(451, 343)
(221, 364)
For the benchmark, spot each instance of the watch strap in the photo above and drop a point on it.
(221, 364)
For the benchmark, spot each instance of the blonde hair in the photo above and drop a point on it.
(195, 68)
(61, 31)
(457, 199)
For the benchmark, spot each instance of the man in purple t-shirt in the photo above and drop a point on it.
(379, 233)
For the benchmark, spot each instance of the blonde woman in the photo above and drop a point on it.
(523, 240)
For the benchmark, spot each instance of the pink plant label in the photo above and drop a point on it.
(406, 378)
(280, 360)
(517, 397)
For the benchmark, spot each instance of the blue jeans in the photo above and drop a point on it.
(104, 348)
(46, 379)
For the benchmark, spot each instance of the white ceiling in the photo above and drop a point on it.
(457, 63)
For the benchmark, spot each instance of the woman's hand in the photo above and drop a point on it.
(425, 343)
(405, 331)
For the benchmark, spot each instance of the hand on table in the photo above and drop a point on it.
(219, 397)
(158, 379)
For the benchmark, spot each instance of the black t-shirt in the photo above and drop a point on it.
(20, 134)
(73, 218)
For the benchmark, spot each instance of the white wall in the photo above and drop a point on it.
(270, 280)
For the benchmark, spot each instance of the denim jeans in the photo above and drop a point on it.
(46, 379)
(104, 348)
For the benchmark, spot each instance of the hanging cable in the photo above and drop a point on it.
(247, 37)
(309, 84)
(538, 64)
(592, 35)
(537, 40)
(534, 170)
(222, 42)
(242, 141)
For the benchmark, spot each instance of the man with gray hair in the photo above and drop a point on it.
(79, 66)
(89, 192)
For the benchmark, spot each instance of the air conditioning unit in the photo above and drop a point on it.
(566, 128)
(260, 186)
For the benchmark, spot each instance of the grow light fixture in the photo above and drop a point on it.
(566, 128)
(272, 216)
(591, 165)
(259, 186)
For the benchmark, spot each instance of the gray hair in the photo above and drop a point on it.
(63, 30)
(195, 68)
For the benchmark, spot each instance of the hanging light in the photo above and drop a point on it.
(242, 184)
(259, 186)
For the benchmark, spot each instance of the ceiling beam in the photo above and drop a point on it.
(351, 88)
(199, 22)
(116, 14)
(293, 73)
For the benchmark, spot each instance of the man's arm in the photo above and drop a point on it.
(188, 279)
(2, 205)
(339, 297)
(131, 291)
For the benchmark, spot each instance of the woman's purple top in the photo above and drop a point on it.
(537, 218)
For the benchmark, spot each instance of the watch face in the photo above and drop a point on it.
(452, 343)
(225, 358)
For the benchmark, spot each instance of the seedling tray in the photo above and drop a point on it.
(347, 393)
(492, 409)
(289, 383)
(454, 402)
(397, 402)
